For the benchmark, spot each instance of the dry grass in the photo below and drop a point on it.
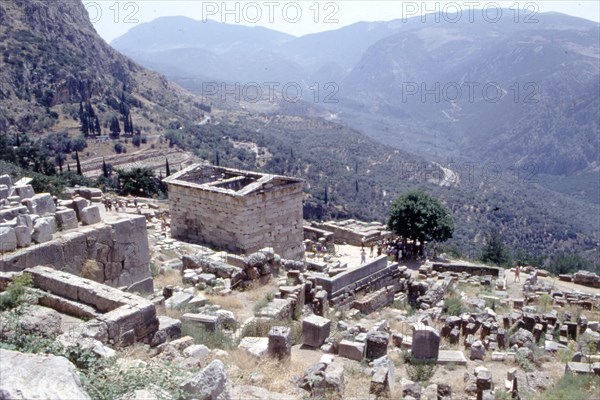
(231, 302)
(173, 313)
(256, 292)
(279, 376)
(136, 352)
(90, 269)
(356, 381)
(169, 277)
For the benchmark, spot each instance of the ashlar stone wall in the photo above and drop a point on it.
(240, 220)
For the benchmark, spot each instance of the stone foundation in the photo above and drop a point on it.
(343, 288)
(119, 318)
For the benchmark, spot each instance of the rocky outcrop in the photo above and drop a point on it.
(33, 376)
(211, 383)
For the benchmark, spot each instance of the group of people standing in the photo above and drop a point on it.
(398, 249)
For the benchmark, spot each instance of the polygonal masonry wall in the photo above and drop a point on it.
(239, 211)
(115, 252)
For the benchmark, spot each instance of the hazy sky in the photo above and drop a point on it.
(113, 18)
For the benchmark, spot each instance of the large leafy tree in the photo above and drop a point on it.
(417, 216)
(140, 182)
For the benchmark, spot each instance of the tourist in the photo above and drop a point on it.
(363, 256)
(372, 248)
(517, 274)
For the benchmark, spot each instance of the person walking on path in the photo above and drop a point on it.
(363, 256)
(517, 274)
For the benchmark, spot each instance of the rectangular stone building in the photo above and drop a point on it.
(239, 211)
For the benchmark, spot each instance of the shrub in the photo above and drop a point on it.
(454, 305)
(213, 340)
(419, 370)
(573, 387)
(14, 294)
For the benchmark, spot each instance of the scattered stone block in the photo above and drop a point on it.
(24, 191)
(376, 345)
(522, 338)
(426, 343)
(198, 351)
(451, 357)
(66, 219)
(90, 215)
(315, 330)
(351, 350)
(334, 379)
(8, 239)
(178, 300)
(40, 204)
(280, 342)
(6, 180)
(208, 322)
(23, 234)
(256, 346)
(210, 383)
(42, 231)
(39, 376)
(477, 351)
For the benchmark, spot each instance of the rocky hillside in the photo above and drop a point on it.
(54, 64)
(53, 61)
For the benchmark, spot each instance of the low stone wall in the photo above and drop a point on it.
(314, 234)
(121, 318)
(114, 252)
(353, 232)
(344, 288)
(479, 270)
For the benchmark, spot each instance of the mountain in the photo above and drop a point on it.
(56, 68)
(188, 48)
(524, 95)
(53, 61)
(511, 93)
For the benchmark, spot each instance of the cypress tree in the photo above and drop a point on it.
(130, 124)
(167, 168)
(104, 169)
(78, 163)
(97, 128)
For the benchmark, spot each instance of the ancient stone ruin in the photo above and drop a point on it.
(239, 211)
(71, 235)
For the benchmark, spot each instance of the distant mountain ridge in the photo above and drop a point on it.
(546, 74)
(53, 61)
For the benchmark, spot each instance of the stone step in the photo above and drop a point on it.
(66, 306)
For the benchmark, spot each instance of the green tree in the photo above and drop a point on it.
(140, 182)
(494, 250)
(568, 263)
(104, 169)
(78, 163)
(417, 216)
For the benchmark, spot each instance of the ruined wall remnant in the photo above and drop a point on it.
(355, 232)
(70, 235)
(239, 211)
(115, 252)
(115, 317)
(345, 287)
